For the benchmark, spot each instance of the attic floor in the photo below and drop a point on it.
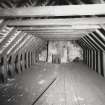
(75, 84)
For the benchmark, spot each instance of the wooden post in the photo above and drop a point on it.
(27, 66)
(99, 63)
(104, 63)
(33, 57)
(84, 55)
(92, 59)
(47, 51)
(19, 68)
(4, 69)
(88, 57)
(30, 57)
(23, 61)
(96, 61)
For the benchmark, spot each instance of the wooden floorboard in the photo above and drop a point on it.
(75, 84)
(26, 87)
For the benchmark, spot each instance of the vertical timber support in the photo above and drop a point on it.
(84, 55)
(4, 70)
(27, 60)
(90, 58)
(96, 63)
(19, 63)
(104, 63)
(23, 61)
(87, 57)
(30, 58)
(101, 63)
(33, 57)
(47, 51)
(25, 66)
(92, 63)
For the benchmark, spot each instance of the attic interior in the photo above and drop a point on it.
(52, 52)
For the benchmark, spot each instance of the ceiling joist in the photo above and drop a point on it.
(46, 11)
(61, 31)
(62, 39)
(58, 22)
(65, 36)
(77, 27)
(57, 34)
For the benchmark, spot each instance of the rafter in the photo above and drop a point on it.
(28, 44)
(4, 5)
(68, 1)
(9, 40)
(102, 1)
(52, 3)
(11, 4)
(101, 35)
(72, 10)
(12, 42)
(28, 39)
(97, 1)
(45, 2)
(17, 43)
(1, 21)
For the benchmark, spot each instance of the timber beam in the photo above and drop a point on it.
(65, 36)
(62, 39)
(46, 11)
(58, 22)
(61, 31)
(76, 27)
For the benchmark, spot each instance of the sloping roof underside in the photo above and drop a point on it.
(26, 3)
(23, 25)
(12, 40)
